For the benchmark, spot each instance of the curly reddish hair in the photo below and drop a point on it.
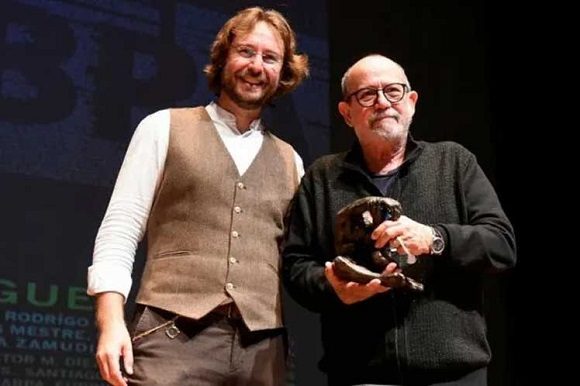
(294, 67)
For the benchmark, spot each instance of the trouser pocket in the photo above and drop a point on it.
(149, 320)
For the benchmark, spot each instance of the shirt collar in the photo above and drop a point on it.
(220, 114)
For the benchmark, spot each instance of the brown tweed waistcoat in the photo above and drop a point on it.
(213, 235)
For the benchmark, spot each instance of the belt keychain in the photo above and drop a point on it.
(171, 331)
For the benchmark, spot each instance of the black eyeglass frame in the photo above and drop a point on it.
(406, 90)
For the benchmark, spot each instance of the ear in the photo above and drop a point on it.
(344, 110)
(413, 97)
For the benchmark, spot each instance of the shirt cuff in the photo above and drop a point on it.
(106, 277)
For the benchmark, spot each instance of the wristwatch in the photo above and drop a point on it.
(437, 242)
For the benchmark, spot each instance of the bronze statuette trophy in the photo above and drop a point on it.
(357, 258)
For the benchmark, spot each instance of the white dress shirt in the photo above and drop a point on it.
(125, 220)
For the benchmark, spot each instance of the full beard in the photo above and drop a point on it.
(389, 130)
(232, 86)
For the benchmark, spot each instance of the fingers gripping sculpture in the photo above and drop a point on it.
(358, 260)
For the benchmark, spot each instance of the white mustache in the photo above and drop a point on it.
(378, 117)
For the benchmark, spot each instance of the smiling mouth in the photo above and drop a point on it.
(253, 84)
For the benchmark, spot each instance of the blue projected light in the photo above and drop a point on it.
(80, 75)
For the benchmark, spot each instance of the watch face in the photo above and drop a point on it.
(438, 245)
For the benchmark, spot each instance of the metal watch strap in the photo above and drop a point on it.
(437, 243)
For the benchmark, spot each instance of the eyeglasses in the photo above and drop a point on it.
(367, 97)
(269, 58)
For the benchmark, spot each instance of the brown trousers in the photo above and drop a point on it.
(217, 350)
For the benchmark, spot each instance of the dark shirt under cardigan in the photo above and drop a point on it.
(401, 337)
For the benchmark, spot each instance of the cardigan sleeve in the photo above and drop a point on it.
(486, 241)
(302, 258)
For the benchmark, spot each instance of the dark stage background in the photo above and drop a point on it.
(76, 76)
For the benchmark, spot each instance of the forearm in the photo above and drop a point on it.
(114, 344)
(482, 247)
(115, 245)
(109, 310)
(305, 281)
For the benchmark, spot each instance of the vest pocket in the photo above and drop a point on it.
(176, 253)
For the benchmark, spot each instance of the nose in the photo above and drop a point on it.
(382, 100)
(255, 68)
(256, 62)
